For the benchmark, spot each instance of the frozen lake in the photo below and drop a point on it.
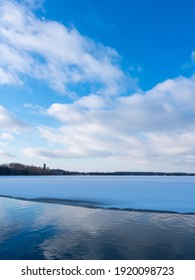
(152, 193)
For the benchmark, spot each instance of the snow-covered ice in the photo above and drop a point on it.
(155, 193)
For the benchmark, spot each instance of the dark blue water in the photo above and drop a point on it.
(32, 230)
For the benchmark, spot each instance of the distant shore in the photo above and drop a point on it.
(18, 169)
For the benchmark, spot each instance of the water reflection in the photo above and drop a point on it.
(30, 230)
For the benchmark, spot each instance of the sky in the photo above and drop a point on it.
(88, 85)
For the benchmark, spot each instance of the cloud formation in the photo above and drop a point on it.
(5, 154)
(158, 125)
(51, 52)
(8, 121)
(10, 126)
(169, 106)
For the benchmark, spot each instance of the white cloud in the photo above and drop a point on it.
(168, 106)
(190, 63)
(5, 154)
(10, 127)
(8, 121)
(6, 136)
(13, 62)
(158, 125)
(49, 51)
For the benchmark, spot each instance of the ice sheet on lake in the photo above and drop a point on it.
(155, 193)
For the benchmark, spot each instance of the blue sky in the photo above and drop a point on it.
(98, 86)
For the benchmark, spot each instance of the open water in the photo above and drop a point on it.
(37, 230)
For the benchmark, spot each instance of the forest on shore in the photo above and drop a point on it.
(15, 169)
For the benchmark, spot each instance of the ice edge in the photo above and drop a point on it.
(92, 205)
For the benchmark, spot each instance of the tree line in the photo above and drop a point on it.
(14, 169)
(21, 169)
